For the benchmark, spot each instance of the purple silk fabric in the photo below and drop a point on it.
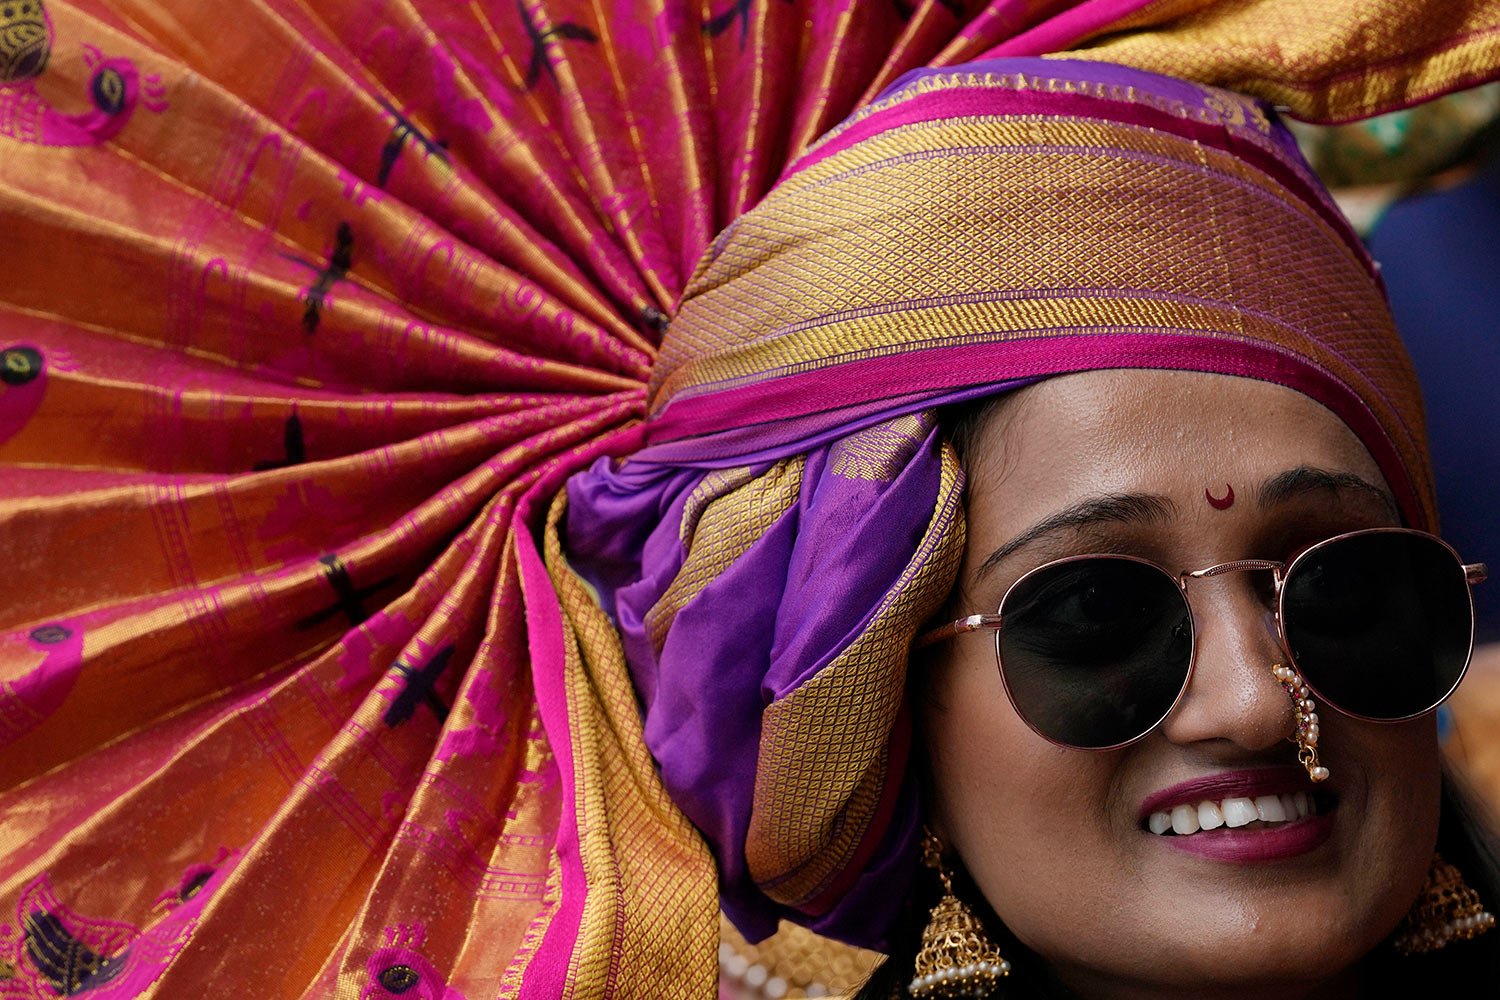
(761, 442)
(795, 600)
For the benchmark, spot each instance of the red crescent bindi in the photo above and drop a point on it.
(1220, 503)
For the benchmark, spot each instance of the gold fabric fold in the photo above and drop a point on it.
(1324, 60)
(653, 899)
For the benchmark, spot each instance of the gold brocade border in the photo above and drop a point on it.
(807, 964)
(1022, 133)
(714, 485)
(824, 748)
(916, 327)
(647, 928)
(802, 205)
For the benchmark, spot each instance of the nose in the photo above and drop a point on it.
(1232, 699)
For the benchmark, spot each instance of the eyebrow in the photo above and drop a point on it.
(1107, 508)
(1299, 482)
(1141, 508)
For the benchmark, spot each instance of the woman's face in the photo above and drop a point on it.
(1057, 839)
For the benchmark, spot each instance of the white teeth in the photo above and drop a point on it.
(1238, 812)
(1184, 820)
(1270, 809)
(1233, 812)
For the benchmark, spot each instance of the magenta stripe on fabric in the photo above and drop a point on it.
(547, 974)
(1067, 29)
(768, 442)
(828, 390)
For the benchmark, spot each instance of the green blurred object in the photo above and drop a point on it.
(1402, 147)
(1370, 165)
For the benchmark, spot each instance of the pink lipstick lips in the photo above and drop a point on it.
(1264, 814)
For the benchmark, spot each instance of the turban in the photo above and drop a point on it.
(794, 517)
(470, 484)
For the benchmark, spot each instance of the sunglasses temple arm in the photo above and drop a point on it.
(973, 623)
(1476, 572)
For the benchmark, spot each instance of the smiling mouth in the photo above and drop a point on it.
(1237, 812)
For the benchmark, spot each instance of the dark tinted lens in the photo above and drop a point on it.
(1095, 651)
(1379, 623)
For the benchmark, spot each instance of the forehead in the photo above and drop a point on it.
(1173, 433)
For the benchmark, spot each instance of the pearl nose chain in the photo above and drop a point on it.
(1306, 711)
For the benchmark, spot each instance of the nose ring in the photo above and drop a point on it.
(1306, 711)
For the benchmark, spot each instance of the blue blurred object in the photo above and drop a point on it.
(1440, 255)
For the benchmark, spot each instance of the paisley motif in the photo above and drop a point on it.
(25, 40)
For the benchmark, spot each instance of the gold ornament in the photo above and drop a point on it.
(1448, 910)
(957, 959)
(792, 964)
(1307, 720)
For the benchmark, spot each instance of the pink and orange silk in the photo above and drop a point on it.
(310, 311)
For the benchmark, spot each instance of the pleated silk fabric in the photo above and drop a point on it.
(310, 310)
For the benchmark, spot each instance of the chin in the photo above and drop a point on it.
(1295, 944)
(1232, 969)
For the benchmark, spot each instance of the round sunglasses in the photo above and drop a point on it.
(1095, 651)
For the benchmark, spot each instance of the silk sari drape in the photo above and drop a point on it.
(309, 311)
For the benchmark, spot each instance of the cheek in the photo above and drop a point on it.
(1019, 811)
(1403, 765)
(1404, 792)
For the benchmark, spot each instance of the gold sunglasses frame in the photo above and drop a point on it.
(1474, 573)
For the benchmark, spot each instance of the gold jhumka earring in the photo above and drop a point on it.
(957, 958)
(1307, 720)
(1448, 910)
